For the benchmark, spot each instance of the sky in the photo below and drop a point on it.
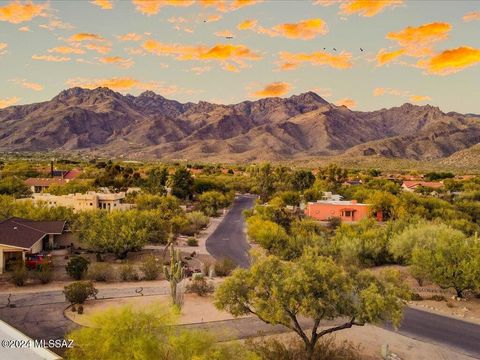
(363, 54)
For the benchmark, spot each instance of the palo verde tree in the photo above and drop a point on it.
(313, 287)
(450, 262)
(181, 183)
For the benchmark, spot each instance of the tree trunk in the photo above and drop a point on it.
(310, 348)
(459, 293)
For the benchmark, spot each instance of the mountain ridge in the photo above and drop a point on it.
(305, 125)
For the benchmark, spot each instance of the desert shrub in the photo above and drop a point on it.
(44, 273)
(19, 274)
(100, 272)
(416, 297)
(224, 267)
(76, 267)
(128, 273)
(191, 241)
(437, 298)
(201, 287)
(150, 268)
(79, 291)
(326, 349)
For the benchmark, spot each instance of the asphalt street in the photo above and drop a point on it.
(229, 240)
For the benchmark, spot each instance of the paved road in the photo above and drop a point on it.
(229, 240)
(460, 335)
(40, 315)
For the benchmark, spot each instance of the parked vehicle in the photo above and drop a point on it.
(33, 261)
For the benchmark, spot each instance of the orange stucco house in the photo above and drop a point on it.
(347, 211)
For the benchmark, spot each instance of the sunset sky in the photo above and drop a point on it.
(414, 51)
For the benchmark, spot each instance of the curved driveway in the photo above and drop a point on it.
(229, 240)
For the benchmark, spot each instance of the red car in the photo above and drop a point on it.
(33, 261)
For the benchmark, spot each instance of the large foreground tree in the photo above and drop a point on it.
(313, 287)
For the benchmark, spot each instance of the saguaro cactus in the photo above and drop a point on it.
(174, 274)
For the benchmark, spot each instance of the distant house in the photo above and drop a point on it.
(88, 201)
(58, 177)
(348, 211)
(20, 236)
(38, 185)
(411, 186)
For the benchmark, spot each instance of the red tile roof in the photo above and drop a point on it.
(45, 181)
(430, 184)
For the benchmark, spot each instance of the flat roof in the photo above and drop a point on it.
(339, 202)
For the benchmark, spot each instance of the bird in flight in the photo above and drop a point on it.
(229, 37)
(334, 49)
(361, 49)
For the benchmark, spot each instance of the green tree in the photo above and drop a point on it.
(198, 220)
(314, 287)
(79, 291)
(118, 232)
(76, 267)
(126, 333)
(450, 262)
(182, 183)
(265, 180)
(157, 180)
(212, 201)
(333, 175)
(301, 180)
(12, 185)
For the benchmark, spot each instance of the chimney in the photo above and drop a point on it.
(51, 168)
(354, 201)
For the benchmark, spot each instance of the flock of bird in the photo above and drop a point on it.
(231, 37)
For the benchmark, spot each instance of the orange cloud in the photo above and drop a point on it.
(273, 89)
(224, 33)
(152, 7)
(122, 84)
(380, 91)
(101, 49)
(118, 61)
(451, 61)
(28, 85)
(8, 102)
(17, 12)
(213, 17)
(471, 16)
(55, 24)
(417, 41)
(247, 24)
(220, 52)
(66, 50)
(384, 57)
(227, 5)
(305, 29)
(130, 37)
(367, 8)
(3, 48)
(349, 103)
(104, 4)
(50, 58)
(419, 98)
(24, 29)
(289, 61)
(85, 37)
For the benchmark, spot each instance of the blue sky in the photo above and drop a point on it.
(173, 49)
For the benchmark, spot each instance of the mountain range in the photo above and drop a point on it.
(149, 126)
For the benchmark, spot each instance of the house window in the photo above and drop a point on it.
(347, 213)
